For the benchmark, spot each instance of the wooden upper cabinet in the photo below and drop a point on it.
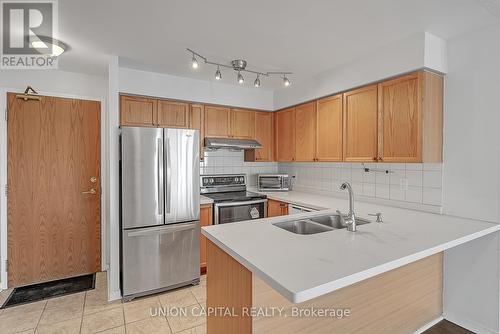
(285, 135)
(217, 122)
(137, 111)
(196, 122)
(264, 125)
(242, 124)
(173, 114)
(305, 132)
(361, 125)
(411, 113)
(329, 129)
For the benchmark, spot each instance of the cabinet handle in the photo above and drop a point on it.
(375, 158)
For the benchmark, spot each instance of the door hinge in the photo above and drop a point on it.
(6, 265)
(6, 190)
(6, 114)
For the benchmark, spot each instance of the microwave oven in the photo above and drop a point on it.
(274, 182)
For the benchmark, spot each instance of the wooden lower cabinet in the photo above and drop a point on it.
(205, 220)
(276, 208)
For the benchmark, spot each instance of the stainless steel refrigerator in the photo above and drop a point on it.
(160, 209)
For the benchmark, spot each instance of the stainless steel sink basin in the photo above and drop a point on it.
(303, 227)
(334, 221)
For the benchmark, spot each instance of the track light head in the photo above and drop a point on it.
(194, 62)
(241, 80)
(218, 74)
(256, 83)
(286, 81)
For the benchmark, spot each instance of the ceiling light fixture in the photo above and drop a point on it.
(238, 65)
(256, 83)
(218, 74)
(286, 81)
(50, 46)
(194, 62)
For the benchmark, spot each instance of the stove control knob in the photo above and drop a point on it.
(211, 180)
(205, 181)
(242, 179)
(236, 180)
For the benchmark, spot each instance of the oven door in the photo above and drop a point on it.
(238, 211)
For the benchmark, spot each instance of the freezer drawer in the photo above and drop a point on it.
(160, 257)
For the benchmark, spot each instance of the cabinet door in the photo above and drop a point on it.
(276, 208)
(242, 124)
(173, 114)
(305, 132)
(264, 135)
(217, 122)
(137, 111)
(361, 125)
(329, 129)
(205, 220)
(196, 122)
(285, 135)
(400, 109)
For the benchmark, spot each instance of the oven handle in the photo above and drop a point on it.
(218, 205)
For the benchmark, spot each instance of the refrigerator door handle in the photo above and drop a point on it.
(160, 175)
(161, 230)
(168, 168)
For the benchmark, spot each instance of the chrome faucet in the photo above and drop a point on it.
(350, 218)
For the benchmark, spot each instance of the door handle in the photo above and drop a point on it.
(90, 192)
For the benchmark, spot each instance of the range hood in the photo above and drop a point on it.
(234, 144)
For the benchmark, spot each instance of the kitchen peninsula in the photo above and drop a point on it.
(388, 275)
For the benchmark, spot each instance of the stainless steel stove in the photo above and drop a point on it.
(232, 201)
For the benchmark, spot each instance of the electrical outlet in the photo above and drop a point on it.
(403, 183)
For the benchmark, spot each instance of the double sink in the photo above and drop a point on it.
(317, 224)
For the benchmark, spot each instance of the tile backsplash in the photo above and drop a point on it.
(404, 184)
(232, 162)
(410, 183)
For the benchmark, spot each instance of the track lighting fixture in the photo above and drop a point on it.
(256, 83)
(194, 62)
(218, 74)
(238, 65)
(286, 82)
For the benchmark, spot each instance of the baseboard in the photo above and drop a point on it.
(468, 324)
(114, 295)
(428, 325)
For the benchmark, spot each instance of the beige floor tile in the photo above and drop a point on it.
(29, 331)
(140, 309)
(97, 301)
(178, 298)
(190, 320)
(25, 308)
(196, 330)
(57, 314)
(4, 295)
(116, 330)
(18, 321)
(73, 300)
(102, 321)
(64, 327)
(199, 292)
(156, 325)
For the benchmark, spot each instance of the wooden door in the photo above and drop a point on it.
(205, 220)
(217, 122)
(242, 124)
(361, 125)
(276, 208)
(53, 227)
(264, 135)
(329, 129)
(173, 114)
(400, 111)
(285, 135)
(138, 111)
(305, 132)
(196, 122)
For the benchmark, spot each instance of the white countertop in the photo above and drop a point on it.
(205, 200)
(303, 267)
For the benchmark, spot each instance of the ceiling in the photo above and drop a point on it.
(305, 37)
